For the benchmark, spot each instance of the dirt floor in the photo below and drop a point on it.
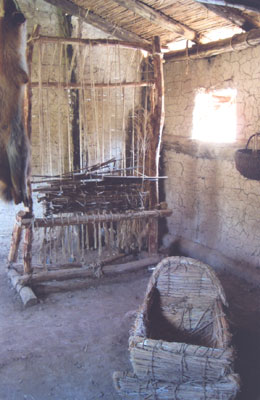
(67, 346)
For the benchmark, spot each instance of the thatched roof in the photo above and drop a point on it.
(172, 20)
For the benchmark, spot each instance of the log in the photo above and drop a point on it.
(89, 17)
(79, 284)
(108, 270)
(27, 296)
(83, 85)
(158, 18)
(85, 219)
(237, 42)
(96, 42)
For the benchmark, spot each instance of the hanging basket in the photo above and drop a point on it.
(248, 161)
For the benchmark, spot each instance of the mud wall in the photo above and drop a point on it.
(213, 205)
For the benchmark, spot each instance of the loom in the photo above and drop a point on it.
(98, 129)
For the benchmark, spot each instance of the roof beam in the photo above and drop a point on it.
(158, 18)
(233, 15)
(236, 43)
(245, 5)
(89, 17)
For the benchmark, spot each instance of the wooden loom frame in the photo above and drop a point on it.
(25, 220)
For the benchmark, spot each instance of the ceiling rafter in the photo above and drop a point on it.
(233, 15)
(95, 20)
(245, 5)
(236, 42)
(158, 18)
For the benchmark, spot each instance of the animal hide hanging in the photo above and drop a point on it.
(14, 143)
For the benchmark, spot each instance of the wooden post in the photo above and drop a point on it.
(16, 237)
(27, 252)
(28, 104)
(155, 145)
(28, 236)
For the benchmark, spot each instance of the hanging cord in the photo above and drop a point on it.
(187, 58)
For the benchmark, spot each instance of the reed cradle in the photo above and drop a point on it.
(180, 345)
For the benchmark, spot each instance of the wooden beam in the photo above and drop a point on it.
(89, 17)
(93, 218)
(83, 273)
(82, 85)
(233, 15)
(96, 42)
(245, 5)
(236, 42)
(158, 18)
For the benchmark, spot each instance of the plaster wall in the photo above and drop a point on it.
(213, 205)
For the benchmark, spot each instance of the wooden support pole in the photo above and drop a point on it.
(27, 296)
(16, 237)
(155, 144)
(158, 119)
(107, 270)
(28, 106)
(27, 257)
(28, 236)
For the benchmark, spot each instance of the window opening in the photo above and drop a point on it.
(214, 116)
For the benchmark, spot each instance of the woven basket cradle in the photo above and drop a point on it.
(248, 161)
(180, 343)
